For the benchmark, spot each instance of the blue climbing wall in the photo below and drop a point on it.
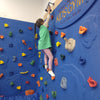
(13, 46)
(68, 17)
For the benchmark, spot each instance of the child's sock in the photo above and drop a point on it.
(51, 73)
(46, 66)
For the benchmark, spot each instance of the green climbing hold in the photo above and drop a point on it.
(41, 97)
(54, 94)
(11, 83)
(10, 34)
(45, 83)
(32, 63)
(62, 57)
(20, 31)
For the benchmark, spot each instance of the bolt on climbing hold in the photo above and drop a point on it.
(54, 94)
(63, 83)
(51, 33)
(82, 30)
(62, 57)
(62, 34)
(23, 54)
(30, 28)
(24, 72)
(1, 49)
(38, 83)
(47, 96)
(1, 62)
(24, 42)
(18, 87)
(27, 82)
(82, 61)
(29, 92)
(56, 61)
(20, 31)
(20, 64)
(1, 37)
(56, 32)
(39, 54)
(52, 77)
(40, 97)
(92, 83)
(58, 44)
(1, 75)
(41, 78)
(36, 36)
(70, 44)
(10, 34)
(11, 83)
(6, 25)
(52, 17)
(45, 83)
(29, 48)
(14, 58)
(32, 75)
(32, 62)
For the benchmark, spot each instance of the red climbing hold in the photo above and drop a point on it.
(56, 61)
(92, 83)
(27, 82)
(29, 48)
(1, 95)
(47, 96)
(30, 28)
(1, 49)
(56, 32)
(1, 75)
(24, 42)
(1, 37)
(52, 17)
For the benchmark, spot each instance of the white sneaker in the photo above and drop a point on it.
(51, 73)
(46, 66)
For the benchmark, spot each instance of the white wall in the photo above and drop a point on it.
(24, 10)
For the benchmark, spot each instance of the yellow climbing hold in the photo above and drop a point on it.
(23, 54)
(18, 87)
(39, 56)
(36, 36)
(6, 25)
(58, 44)
(41, 78)
(24, 72)
(1, 62)
(39, 53)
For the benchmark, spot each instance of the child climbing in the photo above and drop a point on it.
(44, 42)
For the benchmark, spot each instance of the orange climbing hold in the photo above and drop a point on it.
(62, 34)
(1, 95)
(56, 61)
(29, 48)
(32, 75)
(1, 37)
(82, 30)
(24, 42)
(29, 92)
(20, 64)
(53, 78)
(1, 75)
(92, 83)
(38, 83)
(47, 69)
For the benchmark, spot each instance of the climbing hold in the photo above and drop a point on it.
(82, 61)
(33, 62)
(53, 78)
(30, 28)
(56, 32)
(45, 83)
(24, 42)
(23, 54)
(11, 73)
(41, 97)
(52, 17)
(6, 25)
(58, 44)
(1, 75)
(41, 78)
(51, 33)
(20, 64)
(11, 83)
(24, 72)
(39, 56)
(38, 83)
(63, 83)
(82, 30)
(29, 48)
(62, 34)
(29, 92)
(56, 61)
(27, 82)
(36, 36)
(1, 95)
(11, 45)
(1, 62)
(32, 75)
(1, 49)
(54, 94)
(1, 37)
(18, 87)
(10, 34)
(14, 58)
(92, 83)
(62, 57)
(20, 31)
(47, 69)
(69, 44)
(47, 96)
(39, 53)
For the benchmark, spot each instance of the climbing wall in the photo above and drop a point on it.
(18, 57)
(78, 71)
